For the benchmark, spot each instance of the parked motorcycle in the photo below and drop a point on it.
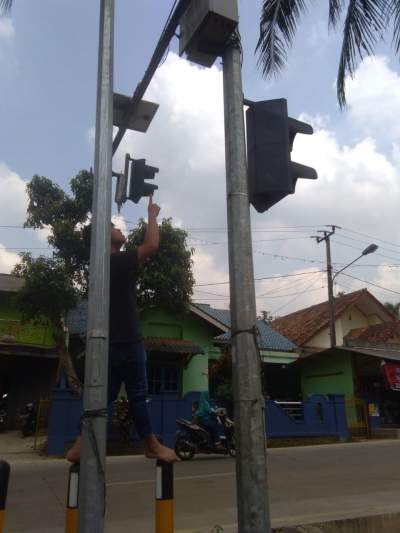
(193, 438)
(28, 419)
(3, 413)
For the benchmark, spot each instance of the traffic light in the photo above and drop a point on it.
(139, 173)
(270, 135)
(122, 184)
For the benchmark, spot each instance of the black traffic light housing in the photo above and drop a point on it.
(270, 135)
(139, 173)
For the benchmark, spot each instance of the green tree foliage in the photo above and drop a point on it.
(166, 280)
(220, 374)
(393, 308)
(54, 285)
(68, 217)
(267, 316)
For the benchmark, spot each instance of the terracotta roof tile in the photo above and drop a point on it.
(384, 332)
(302, 325)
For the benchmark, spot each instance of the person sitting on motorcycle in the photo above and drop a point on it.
(206, 417)
(195, 407)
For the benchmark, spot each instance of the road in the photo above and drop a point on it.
(308, 484)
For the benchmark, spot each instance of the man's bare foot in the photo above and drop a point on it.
(153, 449)
(74, 453)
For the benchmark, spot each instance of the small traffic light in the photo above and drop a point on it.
(270, 135)
(122, 184)
(139, 173)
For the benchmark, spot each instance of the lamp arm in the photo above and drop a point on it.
(344, 268)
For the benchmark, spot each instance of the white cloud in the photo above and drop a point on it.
(373, 98)
(90, 136)
(7, 260)
(13, 206)
(120, 223)
(205, 269)
(7, 30)
(358, 185)
(8, 59)
(186, 142)
(13, 197)
(43, 234)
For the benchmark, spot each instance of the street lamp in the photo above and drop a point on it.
(370, 249)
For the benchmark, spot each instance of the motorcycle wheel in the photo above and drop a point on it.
(231, 444)
(27, 431)
(183, 449)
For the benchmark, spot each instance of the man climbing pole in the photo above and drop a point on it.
(127, 356)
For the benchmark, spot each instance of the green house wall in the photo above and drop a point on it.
(331, 374)
(184, 326)
(24, 333)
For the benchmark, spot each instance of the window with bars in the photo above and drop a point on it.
(163, 379)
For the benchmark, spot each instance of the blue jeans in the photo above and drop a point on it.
(214, 427)
(127, 364)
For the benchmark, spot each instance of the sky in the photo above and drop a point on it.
(48, 61)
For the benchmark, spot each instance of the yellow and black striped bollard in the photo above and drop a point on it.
(71, 519)
(4, 478)
(164, 497)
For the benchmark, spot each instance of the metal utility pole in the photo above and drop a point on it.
(92, 480)
(331, 298)
(251, 465)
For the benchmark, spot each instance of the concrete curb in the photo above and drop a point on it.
(387, 523)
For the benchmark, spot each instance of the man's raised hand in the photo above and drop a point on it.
(153, 209)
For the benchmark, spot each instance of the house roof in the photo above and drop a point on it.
(267, 339)
(76, 318)
(378, 333)
(10, 283)
(304, 324)
(380, 353)
(222, 316)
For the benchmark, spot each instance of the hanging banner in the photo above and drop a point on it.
(391, 374)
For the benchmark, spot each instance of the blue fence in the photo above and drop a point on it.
(321, 416)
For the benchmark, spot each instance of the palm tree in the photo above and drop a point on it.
(364, 25)
(5, 6)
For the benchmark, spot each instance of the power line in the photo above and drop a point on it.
(26, 248)
(371, 237)
(210, 243)
(298, 295)
(286, 285)
(290, 294)
(263, 278)
(370, 283)
(368, 242)
(356, 248)
(278, 256)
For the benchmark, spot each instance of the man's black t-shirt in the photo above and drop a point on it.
(124, 321)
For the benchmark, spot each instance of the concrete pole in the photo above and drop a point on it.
(331, 298)
(92, 479)
(251, 468)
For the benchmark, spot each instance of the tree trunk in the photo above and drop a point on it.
(65, 359)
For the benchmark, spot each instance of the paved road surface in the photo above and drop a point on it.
(308, 484)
